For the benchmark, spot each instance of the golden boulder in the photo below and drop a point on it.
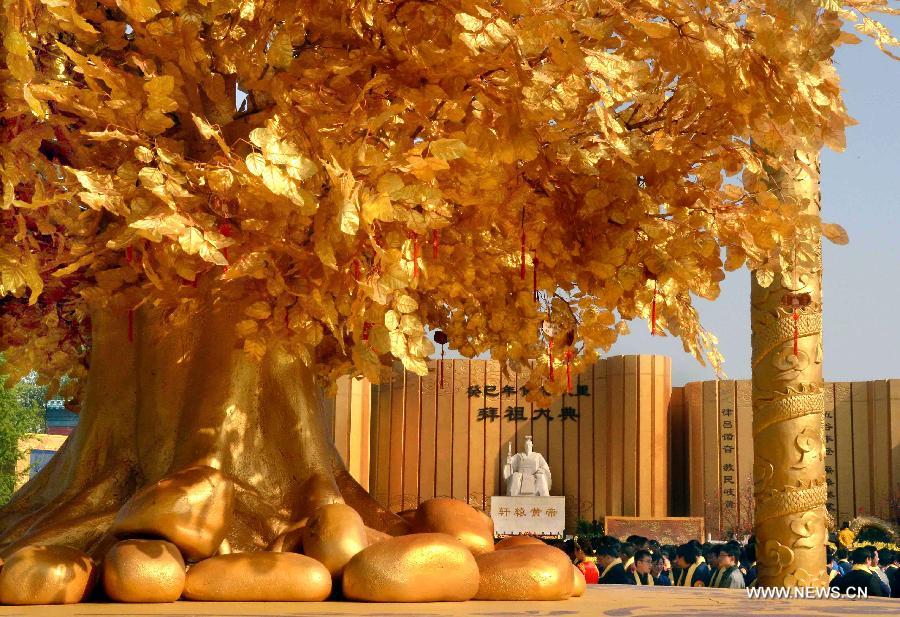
(374, 536)
(333, 535)
(190, 508)
(458, 519)
(46, 575)
(514, 541)
(579, 584)
(425, 567)
(258, 577)
(525, 573)
(143, 571)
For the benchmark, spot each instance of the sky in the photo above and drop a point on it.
(861, 280)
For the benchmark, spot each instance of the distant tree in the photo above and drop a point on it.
(20, 413)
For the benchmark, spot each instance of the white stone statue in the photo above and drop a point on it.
(526, 473)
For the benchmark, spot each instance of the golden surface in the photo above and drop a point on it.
(143, 571)
(579, 584)
(373, 536)
(788, 406)
(598, 601)
(46, 575)
(425, 567)
(258, 577)
(458, 519)
(191, 508)
(334, 535)
(525, 573)
(514, 541)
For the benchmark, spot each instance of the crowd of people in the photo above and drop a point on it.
(638, 560)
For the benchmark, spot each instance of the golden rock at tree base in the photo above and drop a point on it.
(579, 583)
(373, 536)
(143, 571)
(258, 577)
(190, 508)
(333, 535)
(425, 567)
(525, 573)
(515, 541)
(46, 575)
(458, 519)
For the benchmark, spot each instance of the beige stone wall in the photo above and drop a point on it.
(34, 441)
(430, 441)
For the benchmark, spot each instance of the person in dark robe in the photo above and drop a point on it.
(843, 561)
(662, 569)
(860, 576)
(833, 570)
(612, 572)
(749, 564)
(643, 568)
(694, 571)
(728, 575)
(626, 554)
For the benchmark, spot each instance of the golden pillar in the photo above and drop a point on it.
(788, 397)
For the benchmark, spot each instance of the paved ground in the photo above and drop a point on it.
(608, 601)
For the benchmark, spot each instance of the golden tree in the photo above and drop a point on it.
(212, 209)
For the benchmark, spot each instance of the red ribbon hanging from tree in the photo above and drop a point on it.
(569, 371)
(435, 242)
(653, 310)
(440, 337)
(522, 264)
(550, 351)
(366, 327)
(534, 277)
(129, 254)
(796, 332)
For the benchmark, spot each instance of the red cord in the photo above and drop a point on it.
(796, 332)
(534, 275)
(550, 349)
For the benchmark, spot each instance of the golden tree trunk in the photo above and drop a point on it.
(179, 395)
(788, 405)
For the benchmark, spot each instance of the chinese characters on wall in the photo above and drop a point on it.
(516, 413)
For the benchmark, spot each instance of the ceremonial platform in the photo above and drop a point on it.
(610, 600)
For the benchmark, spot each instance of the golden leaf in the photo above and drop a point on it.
(406, 304)
(835, 233)
(139, 10)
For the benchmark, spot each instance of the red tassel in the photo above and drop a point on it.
(522, 264)
(653, 311)
(796, 332)
(534, 276)
(442, 367)
(129, 254)
(435, 242)
(366, 327)
(225, 230)
(568, 371)
(550, 350)
(130, 325)
(415, 255)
